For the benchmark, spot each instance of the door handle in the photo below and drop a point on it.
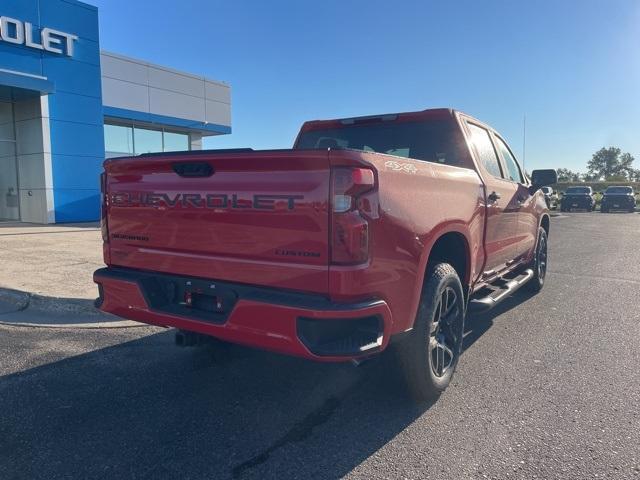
(493, 197)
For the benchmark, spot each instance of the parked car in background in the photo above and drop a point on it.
(369, 231)
(578, 198)
(618, 198)
(550, 197)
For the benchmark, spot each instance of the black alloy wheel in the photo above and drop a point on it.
(429, 355)
(444, 339)
(539, 263)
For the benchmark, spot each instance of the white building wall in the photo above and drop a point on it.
(144, 87)
(33, 158)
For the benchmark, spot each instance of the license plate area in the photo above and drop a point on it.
(574, 205)
(192, 298)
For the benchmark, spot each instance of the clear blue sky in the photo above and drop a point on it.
(572, 66)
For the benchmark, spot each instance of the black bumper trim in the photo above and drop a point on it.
(242, 291)
(341, 337)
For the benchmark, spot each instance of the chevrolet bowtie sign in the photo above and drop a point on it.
(24, 33)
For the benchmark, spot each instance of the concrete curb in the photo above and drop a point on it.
(79, 326)
(14, 298)
(31, 305)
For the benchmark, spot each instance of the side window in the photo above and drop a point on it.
(513, 170)
(486, 153)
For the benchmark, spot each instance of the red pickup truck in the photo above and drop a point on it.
(369, 231)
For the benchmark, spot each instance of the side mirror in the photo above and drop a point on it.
(543, 178)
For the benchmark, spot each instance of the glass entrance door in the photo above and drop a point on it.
(9, 195)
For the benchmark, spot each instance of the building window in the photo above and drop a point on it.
(118, 141)
(147, 141)
(175, 142)
(122, 140)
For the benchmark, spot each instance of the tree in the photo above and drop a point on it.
(626, 164)
(617, 178)
(566, 175)
(610, 162)
(588, 177)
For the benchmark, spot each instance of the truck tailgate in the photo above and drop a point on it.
(258, 218)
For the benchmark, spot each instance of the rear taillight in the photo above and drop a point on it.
(104, 227)
(349, 227)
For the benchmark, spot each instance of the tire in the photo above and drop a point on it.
(539, 263)
(604, 210)
(428, 357)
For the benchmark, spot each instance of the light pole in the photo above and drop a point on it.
(524, 141)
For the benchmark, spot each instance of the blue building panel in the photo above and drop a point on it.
(25, 82)
(73, 77)
(77, 172)
(68, 107)
(87, 51)
(71, 138)
(76, 205)
(25, 10)
(75, 110)
(20, 59)
(81, 19)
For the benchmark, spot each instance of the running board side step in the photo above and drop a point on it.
(501, 289)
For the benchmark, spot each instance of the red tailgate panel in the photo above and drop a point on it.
(261, 218)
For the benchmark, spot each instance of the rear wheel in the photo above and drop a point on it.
(428, 357)
(539, 263)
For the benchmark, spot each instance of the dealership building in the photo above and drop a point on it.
(65, 105)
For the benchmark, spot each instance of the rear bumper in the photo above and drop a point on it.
(303, 325)
(579, 203)
(618, 204)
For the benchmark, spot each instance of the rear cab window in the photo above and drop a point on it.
(437, 140)
(578, 191)
(619, 191)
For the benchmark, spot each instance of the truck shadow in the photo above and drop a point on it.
(144, 408)
(478, 324)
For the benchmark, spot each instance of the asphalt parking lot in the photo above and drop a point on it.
(548, 387)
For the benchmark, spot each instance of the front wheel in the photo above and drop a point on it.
(539, 263)
(428, 357)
